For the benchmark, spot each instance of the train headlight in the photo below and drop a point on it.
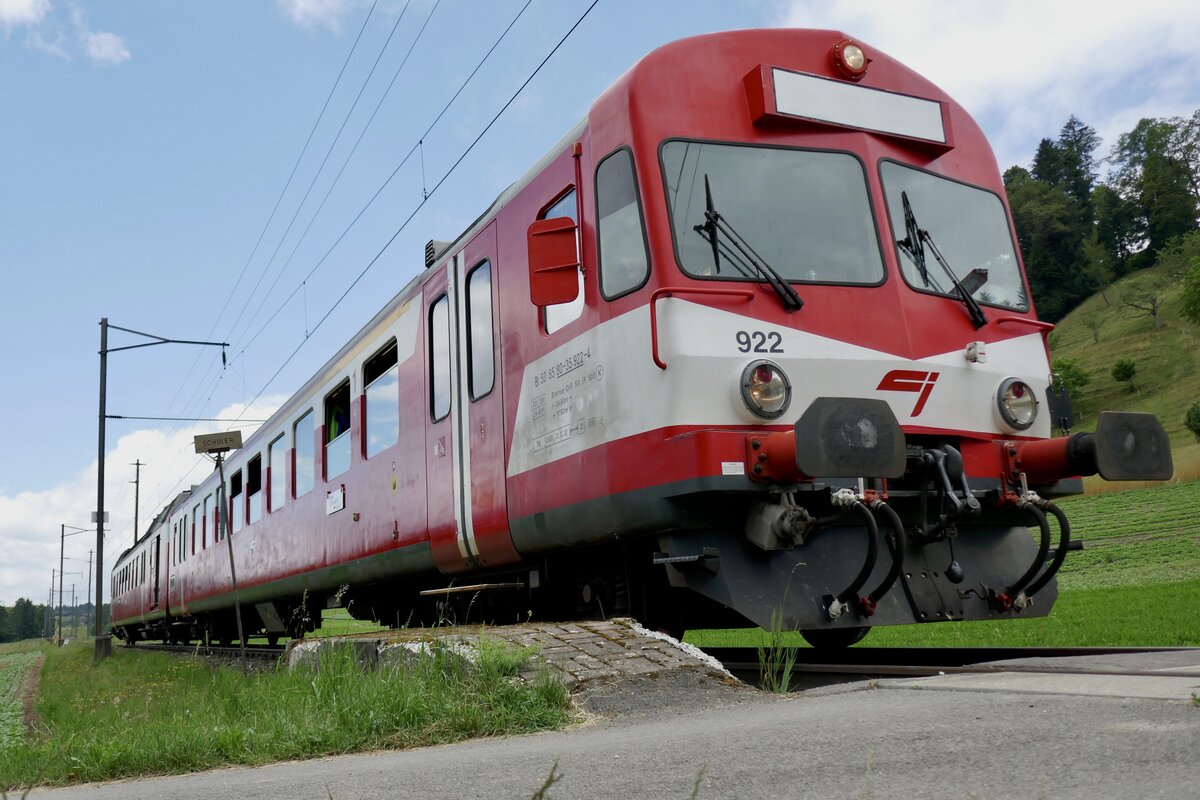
(766, 390)
(850, 59)
(1017, 403)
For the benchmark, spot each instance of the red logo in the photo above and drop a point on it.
(907, 380)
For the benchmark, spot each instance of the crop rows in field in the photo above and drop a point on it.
(1134, 538)
(1172, 508)
(12, 722)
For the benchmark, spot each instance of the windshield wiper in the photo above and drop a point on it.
(914, 243)
(715, 223)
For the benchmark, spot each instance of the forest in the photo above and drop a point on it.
(1079, 232)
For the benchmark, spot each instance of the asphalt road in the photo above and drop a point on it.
(857, 741)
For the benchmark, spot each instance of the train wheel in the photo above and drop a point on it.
(835, 638)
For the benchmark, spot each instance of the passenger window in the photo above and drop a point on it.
(208, 519)
(624, 262)
(439, 358)
(480, 342)
(276, 472)
(380, 376)
(254, 488)
(556, 316)
(337, 431)
(305, 468)
(237, 504)
(196, 523)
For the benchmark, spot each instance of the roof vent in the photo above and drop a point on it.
(434, 249)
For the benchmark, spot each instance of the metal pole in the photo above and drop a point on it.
(50, 609)
(137, 485)
(62, 538)
(89, 591)
(224, 517)
(99, 653)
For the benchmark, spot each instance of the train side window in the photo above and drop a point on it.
(439, 358)
(480, 342)
(174, 543)
(624, 259)
(237, 507)
(380, 376)
(337, 431)
(305, 465)
(208, 519)
(276, 469)
(196, 522)
(254, 495)
(557, 316)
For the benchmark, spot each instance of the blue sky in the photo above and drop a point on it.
(143, 146)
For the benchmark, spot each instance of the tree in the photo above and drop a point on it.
(1124, 370)
(1072, 376)
(1192, 420)
(1152, 170)
(25, 620)
(1098, 266)
(1069, 163)
(1191, 293)
(1119, 226)
(1050, 237)
(1143, 297)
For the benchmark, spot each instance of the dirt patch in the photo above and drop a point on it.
(28, 694)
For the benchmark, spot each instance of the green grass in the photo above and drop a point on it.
(149, 713)
(1135, 583)
(1167, 378)
(338, 622)
(15, 662)
(1134, 538)
(1162, 615)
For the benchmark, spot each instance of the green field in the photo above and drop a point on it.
(1098, 334)
(1136, 583)
(152, 713)
(14, 664)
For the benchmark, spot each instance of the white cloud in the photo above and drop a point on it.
(30, 521)
(102, 47)
(1022, 67)
(56, 48)
(22, 12)
(317, 13)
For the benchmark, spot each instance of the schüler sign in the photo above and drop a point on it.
(218, 442)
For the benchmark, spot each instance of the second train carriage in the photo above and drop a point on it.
(751, 345)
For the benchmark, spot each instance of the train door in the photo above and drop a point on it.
(154, 562)
(468, 510)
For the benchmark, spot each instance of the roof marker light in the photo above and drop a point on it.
(849, 59)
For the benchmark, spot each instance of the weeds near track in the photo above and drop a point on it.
(142, 714)
(776, 658)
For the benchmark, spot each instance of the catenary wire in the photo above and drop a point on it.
(413, 214)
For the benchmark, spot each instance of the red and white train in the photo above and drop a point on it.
(751, 345)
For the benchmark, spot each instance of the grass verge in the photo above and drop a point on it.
(148, 713)
(1162, 615)
(14, 665)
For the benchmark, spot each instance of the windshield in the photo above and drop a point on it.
(806, 213)
(971, 231)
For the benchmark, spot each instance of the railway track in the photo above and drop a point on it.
(258, 653)
(812, 667)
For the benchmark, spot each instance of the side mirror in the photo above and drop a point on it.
(553, 261)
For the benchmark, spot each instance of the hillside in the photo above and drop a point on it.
(1098, 333)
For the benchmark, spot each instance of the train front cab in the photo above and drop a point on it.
(837, 367)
